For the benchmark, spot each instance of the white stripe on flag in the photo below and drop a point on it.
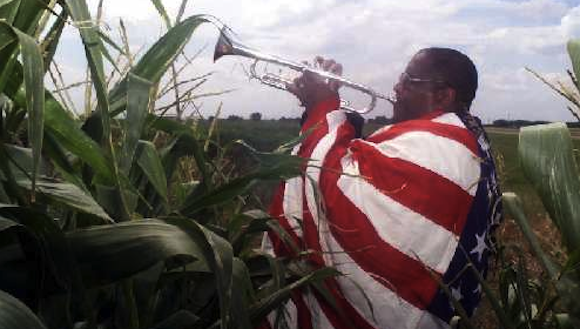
(396, 224)
(292, 204)
(289, 315)
(391, 311)
(267, 246)
(443, 156)
(334, 120)
(450, 119)
(319, 318)
(388, 309)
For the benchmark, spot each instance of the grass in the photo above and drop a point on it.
(511, 176)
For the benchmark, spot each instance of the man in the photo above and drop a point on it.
(400, 213)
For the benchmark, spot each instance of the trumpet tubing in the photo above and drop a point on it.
(226, 45)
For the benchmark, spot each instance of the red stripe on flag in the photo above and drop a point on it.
(415, 187)
(461, 135)
(317, 114)
(277, 211)
(312, 139)
(357, 236)
(304, 318)
(342, 315)
(311, 238)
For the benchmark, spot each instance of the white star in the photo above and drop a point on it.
(456, 293)
(480, 247)
(455, 296)
(477, 290)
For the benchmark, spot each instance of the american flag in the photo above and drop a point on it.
(397, 213)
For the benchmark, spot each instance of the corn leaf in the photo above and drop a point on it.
(109, 253)
(514, 206)
(8, 10)
(266, 305)
(6, 224)
(150, 162)
(33, 69)
(8, 42)
(179, 320)
(22, 160)
(181, 10)
(109, 197)
(69, 195)
(161, 9)
(50, 42)
(493, 299)
(14, 314)
(219, 256)
(138, 92)
(113, 44)
(566, 321)
(157, 59)
(234, 188)
(55, 250)
(242, 295)
(574, 53)
(89, 33)
(185, 145)
(53, 191)
(28, 16)
(33, 73)
(64, 129)
(547, 159)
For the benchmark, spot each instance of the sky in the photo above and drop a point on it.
(373, 39)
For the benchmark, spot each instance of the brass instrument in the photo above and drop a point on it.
(226, 45)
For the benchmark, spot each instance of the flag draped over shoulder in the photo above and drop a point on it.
(396, 213)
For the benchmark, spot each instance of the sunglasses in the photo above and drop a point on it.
(406, 80)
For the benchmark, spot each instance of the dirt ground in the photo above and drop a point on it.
(509, 234)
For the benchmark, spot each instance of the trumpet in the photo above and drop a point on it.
(227, 45)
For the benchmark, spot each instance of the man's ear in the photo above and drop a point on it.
(446, 97)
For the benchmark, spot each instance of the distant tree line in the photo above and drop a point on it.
(257, 116)
(383, 120)
(502, 123)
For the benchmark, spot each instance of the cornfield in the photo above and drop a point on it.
(118, 217)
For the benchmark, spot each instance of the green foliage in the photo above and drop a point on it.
(14, 314)
(547, 159)
(122, 219)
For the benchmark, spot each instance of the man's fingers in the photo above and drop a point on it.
(295, 86)
(311, 81)
(336, 69)
(328, 64)
(318, 61)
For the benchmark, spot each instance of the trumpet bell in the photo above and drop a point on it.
(224, 46)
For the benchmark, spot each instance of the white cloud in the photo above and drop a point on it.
(374, 39)
(570, 23)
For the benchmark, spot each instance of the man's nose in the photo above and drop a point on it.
(398, 87)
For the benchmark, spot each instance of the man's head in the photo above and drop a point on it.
(435, 79)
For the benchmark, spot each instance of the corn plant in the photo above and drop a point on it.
(98, 226)
(547, 158)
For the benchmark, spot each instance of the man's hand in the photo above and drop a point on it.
(311, 88)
